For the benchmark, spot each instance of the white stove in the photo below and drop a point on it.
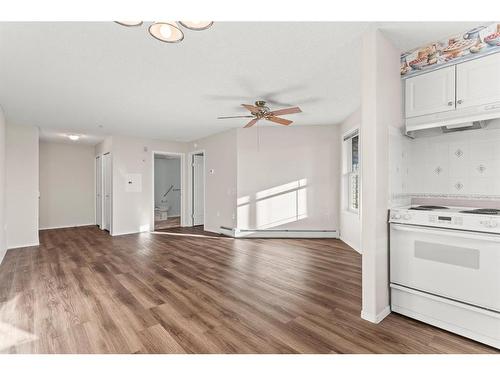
(445, 268)
(460, 218)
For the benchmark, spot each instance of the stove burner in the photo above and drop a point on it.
(428, 208)
(483, 211)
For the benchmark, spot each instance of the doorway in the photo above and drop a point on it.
(198, 189)
(167, 193)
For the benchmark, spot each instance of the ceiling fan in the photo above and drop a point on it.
(260, 111)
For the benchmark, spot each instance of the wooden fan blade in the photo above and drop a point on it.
(286, 111)
(251, 108)
(223, 117)
(251, 123)
(279, 120)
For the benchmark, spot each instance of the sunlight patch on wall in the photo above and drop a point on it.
(274, 206)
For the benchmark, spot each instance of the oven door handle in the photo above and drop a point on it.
(447, 232)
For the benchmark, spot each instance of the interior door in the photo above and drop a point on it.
(458, 265)
(107, 192)
(98, 191)
(478, 81)
(198, 189)
(430, 92)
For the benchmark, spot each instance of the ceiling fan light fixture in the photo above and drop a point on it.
(130, 23)
(167, 32)
(197, 25)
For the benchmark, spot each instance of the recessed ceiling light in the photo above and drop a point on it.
(74, 137)
(167, 32)
(196, 25)
(129, 23)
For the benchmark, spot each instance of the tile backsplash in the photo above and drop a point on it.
(465, 164)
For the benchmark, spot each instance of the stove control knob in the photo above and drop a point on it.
(406, 216)
(396, 216)
(489, 223)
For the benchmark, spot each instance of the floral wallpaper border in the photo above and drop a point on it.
(479, 41)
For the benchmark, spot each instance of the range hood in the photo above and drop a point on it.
(459, 119)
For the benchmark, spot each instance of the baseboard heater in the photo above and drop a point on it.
(278, 233)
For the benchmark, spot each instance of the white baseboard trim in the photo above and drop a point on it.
(378, 317)
(278, 233)
(24, 245)
(68, 226)
(350, 244)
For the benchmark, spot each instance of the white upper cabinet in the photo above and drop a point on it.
(478, 81)
(430, 92)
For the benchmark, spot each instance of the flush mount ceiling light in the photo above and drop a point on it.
(169, 31)
(196, 25)
(129, 23)
(74, 137)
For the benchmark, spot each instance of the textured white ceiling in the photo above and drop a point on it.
(73, 77)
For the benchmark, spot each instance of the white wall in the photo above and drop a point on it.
(288, 177)
(350, 222)
(380, 110)
(168, 173)
(104, 147)
(220, 185)
(67, 185)
(3, 243)
(134, 211)
(21, 185)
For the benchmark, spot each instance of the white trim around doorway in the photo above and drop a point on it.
(189, 216)
(182, 157)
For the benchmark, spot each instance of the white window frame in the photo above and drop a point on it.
(350, 173)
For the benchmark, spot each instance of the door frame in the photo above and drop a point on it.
(98, 186)
(182, 158)
(109, 157)
(190, 200)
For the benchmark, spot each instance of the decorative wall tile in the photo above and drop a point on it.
(459, 153)
(463, 163)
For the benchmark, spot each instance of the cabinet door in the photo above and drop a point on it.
(478, 81)
(430, 92)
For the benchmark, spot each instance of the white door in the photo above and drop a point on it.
(478, 81)
(430, 92)
(98, 191)
(198, 189)
(107, 192)
(458, 265)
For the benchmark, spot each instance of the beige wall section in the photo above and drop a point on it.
(133, 209)
(350, 222)
(288, 178)
(3, 243)
(66, 185)
(380, 110)
(220, 179)
(21, 186)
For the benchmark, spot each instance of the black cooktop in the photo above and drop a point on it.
(482, 211)
(428, 208)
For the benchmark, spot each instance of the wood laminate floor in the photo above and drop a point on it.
(82, 291)
(171, 222)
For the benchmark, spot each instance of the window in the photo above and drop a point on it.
(354, 175)
(351, 171)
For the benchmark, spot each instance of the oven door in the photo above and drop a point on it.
(464, 266)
